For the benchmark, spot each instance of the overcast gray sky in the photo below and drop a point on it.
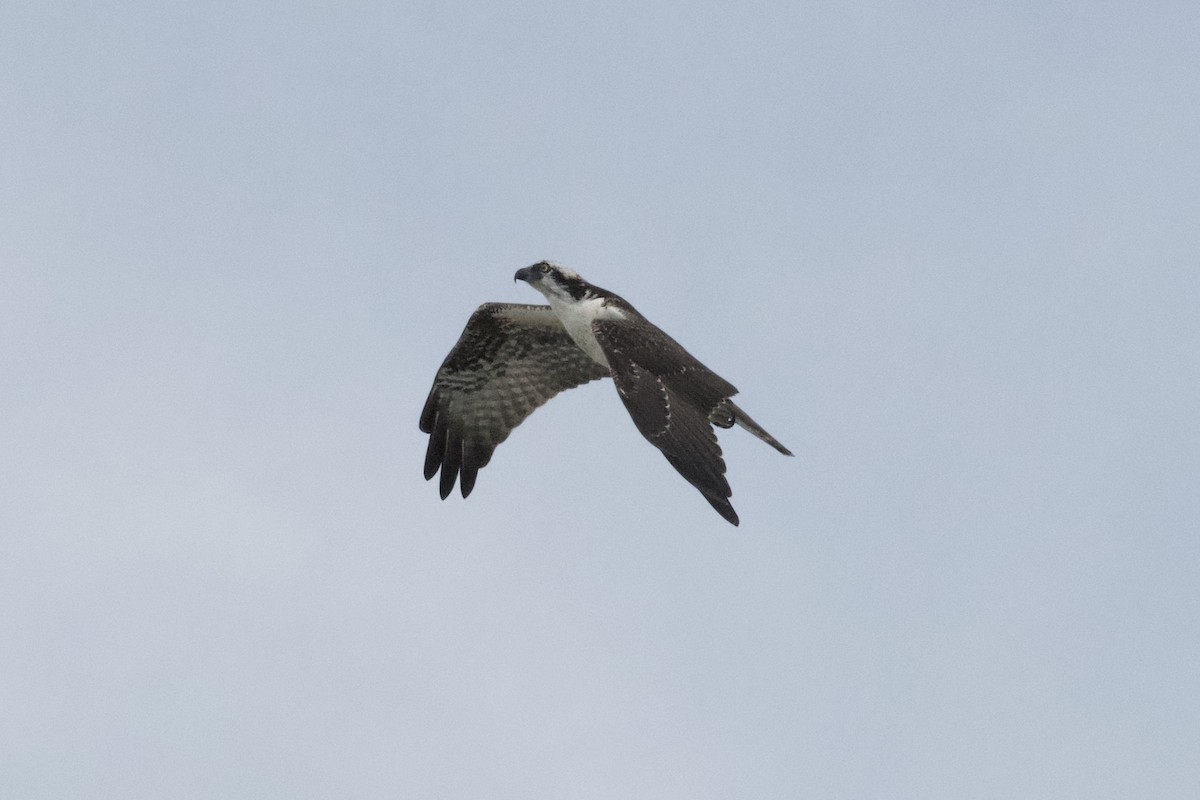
(947, 251)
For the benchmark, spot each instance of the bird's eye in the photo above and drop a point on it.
(545, 268)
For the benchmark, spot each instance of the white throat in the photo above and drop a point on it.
(577, 317)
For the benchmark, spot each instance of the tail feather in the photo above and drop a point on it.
(742, 419)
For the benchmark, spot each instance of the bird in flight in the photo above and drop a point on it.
(512, 358)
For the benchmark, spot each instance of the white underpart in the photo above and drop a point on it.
(577, 317)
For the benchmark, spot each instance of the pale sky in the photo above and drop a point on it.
(948, 252)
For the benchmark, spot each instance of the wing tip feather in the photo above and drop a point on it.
(724, 508)
(451, 465)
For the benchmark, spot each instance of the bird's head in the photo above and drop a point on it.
(554, 281)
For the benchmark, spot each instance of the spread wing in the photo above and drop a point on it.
(671, 397)
(510, 359)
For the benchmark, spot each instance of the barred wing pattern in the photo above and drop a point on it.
(510, 359)
(672, 397)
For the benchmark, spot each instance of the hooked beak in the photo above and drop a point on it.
(527, 274)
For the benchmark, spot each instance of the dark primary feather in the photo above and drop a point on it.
(510, 359)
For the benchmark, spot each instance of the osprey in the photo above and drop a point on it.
(512, 358)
